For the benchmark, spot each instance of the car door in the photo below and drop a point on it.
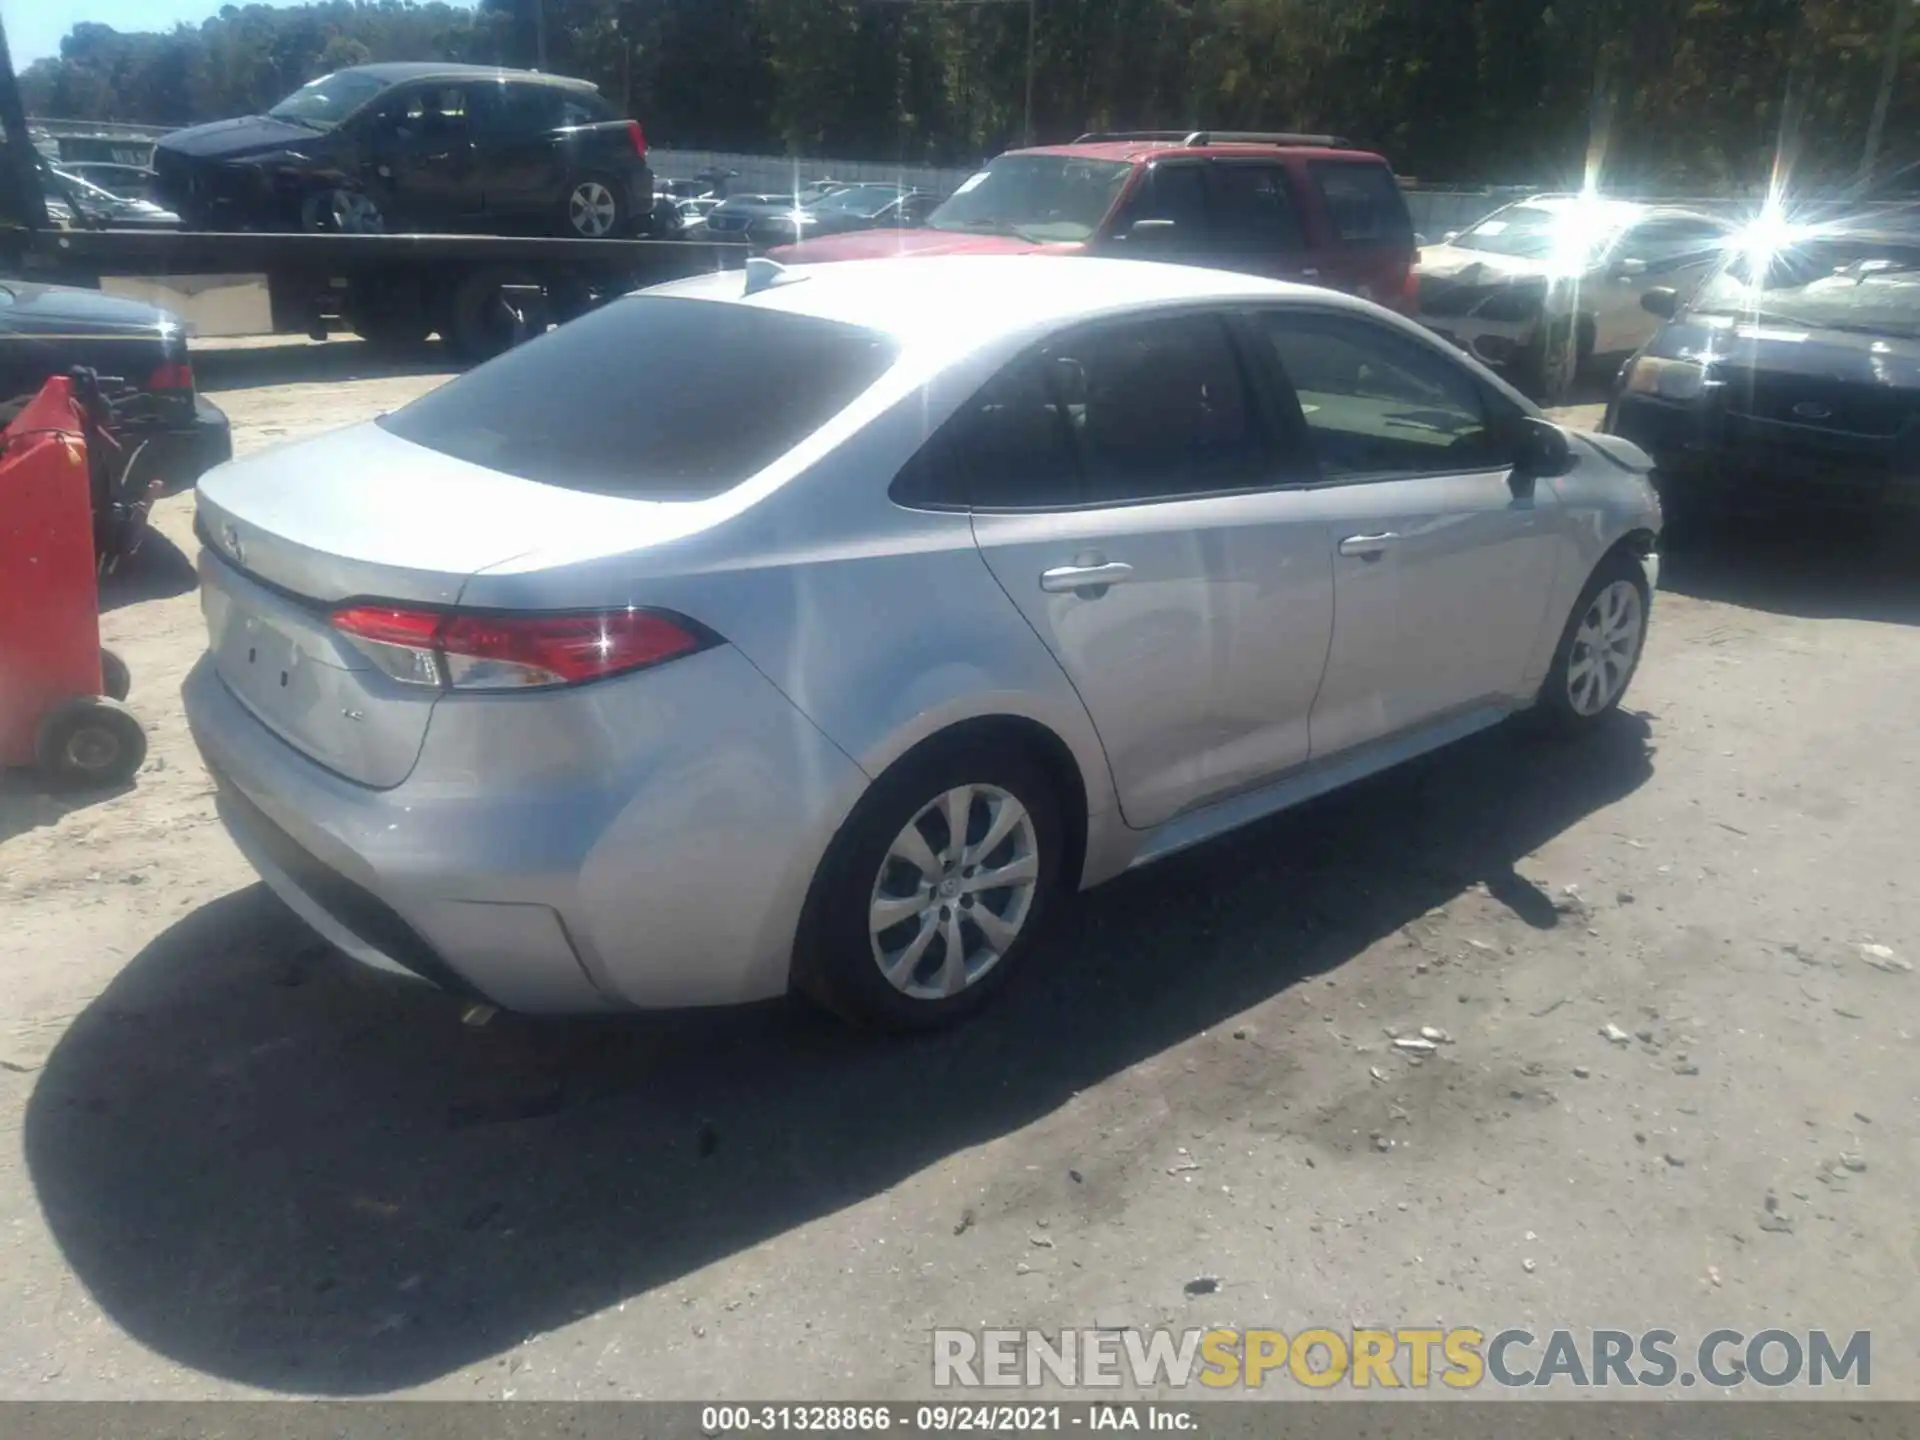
(424, 156)
(1443, 556)
(1257, 222)
(1672, 249)
(1129, 495)
(518, 152)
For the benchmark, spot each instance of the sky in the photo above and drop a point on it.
(34, 27)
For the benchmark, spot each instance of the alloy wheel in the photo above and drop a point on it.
(954, 891)
(1605, 646)
(591, 209)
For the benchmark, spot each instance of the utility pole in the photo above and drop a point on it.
(21, 202)
(540, 34)
(1889, 71)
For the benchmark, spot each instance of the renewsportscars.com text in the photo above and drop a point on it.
(1460, 1358)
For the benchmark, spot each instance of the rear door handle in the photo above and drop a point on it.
(1080, 578)
(1368, 547)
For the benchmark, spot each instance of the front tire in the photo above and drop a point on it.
(1549, 366)
(908, 927)
(1601, 647)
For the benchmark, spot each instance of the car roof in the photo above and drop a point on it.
(1139, 151)
(958, 302)
(395, 72)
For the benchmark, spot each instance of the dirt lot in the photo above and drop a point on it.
(238, 1164)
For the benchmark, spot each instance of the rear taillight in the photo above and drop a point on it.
(174, 375)
(638, 137)
(471, 651)
(1410, 286)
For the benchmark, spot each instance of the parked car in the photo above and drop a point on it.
(1293, 207)
(844, 209)
(669, 718)
(1543, 286)
(46, 330)
(730, 219)
(129, 182)
(417, 147)
(76, 203)
(1791, 377)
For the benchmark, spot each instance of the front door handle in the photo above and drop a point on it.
(1368, 547)
(1089, 581)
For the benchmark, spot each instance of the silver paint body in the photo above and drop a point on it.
(649, 840)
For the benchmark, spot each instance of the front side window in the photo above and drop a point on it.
(1379, 405)
(651, 398)
(1170, 192)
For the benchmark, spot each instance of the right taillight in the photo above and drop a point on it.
(468, 650)
(638, 137)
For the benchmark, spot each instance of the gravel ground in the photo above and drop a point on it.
(238, 1165)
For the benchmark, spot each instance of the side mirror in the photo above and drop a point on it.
(1152, 232)
(1449, 237)
(1420, 242)
(1542, 452)
(1629, 267)
(1662, 300)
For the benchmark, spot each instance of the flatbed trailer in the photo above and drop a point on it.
(479, 292)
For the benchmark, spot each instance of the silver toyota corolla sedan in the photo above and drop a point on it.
(812, 629)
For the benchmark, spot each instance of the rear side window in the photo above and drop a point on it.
(1363, 201)
(517, 110)
(578, 108)
(651, 397)
(1253, 205)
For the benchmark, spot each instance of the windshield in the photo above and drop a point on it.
(858, 200)
(1574, 233)
(1037, 197)
(1823, 284)
(325, 102)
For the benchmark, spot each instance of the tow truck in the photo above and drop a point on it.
(480, 293)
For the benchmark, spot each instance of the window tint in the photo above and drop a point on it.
(516, 109)
(1113, 414)
(577, 108)
(1253, 205)
(653, 397)
(1379, 404)
(1007, 447)
(1171, 192)
(1363, 200)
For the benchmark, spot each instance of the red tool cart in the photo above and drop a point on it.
(60, 693)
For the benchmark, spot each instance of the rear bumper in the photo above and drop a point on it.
(178, 458)
(668, 872)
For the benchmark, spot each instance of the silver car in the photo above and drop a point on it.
(1540, 287)
(813, 629)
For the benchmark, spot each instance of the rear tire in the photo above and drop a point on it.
(477, 325)
(1600, 649)
(594, 208)
(899, 943)
(116, 681)
(89, 742)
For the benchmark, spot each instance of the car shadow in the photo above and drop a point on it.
(158, 570)
(301, 361)
(275, 1168)
(1816, 564)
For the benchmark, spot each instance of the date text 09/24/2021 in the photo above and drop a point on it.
(946, 1418)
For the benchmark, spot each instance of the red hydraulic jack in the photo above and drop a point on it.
(60, 693)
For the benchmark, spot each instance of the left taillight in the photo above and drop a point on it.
(468, 650)
(173, 375)
(638, 137)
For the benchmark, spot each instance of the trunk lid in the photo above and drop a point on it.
(292, 532)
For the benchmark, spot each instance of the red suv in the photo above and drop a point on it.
(1310, 208)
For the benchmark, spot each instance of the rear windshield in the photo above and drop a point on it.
(651, 397)
(1363, 201)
